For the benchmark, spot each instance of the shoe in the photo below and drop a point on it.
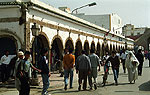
(71, 87)
(116, 83)
(95, 86)
(65, 87)
(79, 88)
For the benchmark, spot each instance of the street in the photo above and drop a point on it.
(141, 86)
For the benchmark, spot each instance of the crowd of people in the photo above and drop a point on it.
(87, 67)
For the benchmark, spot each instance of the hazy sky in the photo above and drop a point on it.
(136, 12)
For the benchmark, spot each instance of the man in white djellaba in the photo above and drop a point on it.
(131, 64)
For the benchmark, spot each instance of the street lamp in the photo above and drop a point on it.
(35, 29)
(91, 4)
(35, 32)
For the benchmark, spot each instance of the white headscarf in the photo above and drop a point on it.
(128, 62)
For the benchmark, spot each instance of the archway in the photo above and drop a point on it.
(56, 54)
(98, 49)
(41, 42)
(93, 46)
(114, 49)
(78, 49)
(8, 43)
(69, 44)
(86, 48)
(107, 48)
(110, 48)
(103, 49)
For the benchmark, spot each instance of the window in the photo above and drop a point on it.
(132, 34)
(118, 21)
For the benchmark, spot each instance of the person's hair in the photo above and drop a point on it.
(83, 51)
(70, 50)
(139, 50)
(113, 52)
(27, 53)
(21, 50)
(92, 51)
(6, 51)
(44, 50)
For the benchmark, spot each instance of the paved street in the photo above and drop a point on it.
(141, 87)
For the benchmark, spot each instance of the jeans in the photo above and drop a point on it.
(46, 83)
(66, 76)
(116, 73)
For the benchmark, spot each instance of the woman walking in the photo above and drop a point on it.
(131, 64)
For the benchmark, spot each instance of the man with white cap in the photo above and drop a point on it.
(20, 58)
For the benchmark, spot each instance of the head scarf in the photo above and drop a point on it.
(131, 59)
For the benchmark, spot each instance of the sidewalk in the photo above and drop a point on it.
(55, 82)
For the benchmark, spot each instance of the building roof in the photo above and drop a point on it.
(56, 11)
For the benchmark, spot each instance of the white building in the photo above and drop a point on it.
(58, 30)
(112, 22)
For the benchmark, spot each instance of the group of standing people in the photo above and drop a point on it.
(86, 68)
(85, 65)
(22, 70)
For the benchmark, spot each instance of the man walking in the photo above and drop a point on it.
(43, 66)
(95, 61)
(140, 58)
(23, 73)
(68, 63)
(83, 67)
(115, 63)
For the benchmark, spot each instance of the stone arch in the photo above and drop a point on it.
(110, 48)
(103, 48)
(78, 48)
(38, 43)
(7, 43)
(98, 51)
(92, 45)
(13, 36)
(114, 49)
(56, 53)
(69, 43)
(86, 47)
(57, 37)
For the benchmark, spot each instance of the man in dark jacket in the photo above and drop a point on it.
(115, 63)
(140, 58)
(43, 66)
(83, 66)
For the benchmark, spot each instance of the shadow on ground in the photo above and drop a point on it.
(145, 86)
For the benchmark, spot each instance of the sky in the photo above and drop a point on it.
(136, 12)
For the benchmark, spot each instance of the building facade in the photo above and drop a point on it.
(112, 22)
(130, 30)
(58, 30)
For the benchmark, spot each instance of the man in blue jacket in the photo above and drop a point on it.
(43, 66)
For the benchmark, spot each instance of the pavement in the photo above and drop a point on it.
(141, 87)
